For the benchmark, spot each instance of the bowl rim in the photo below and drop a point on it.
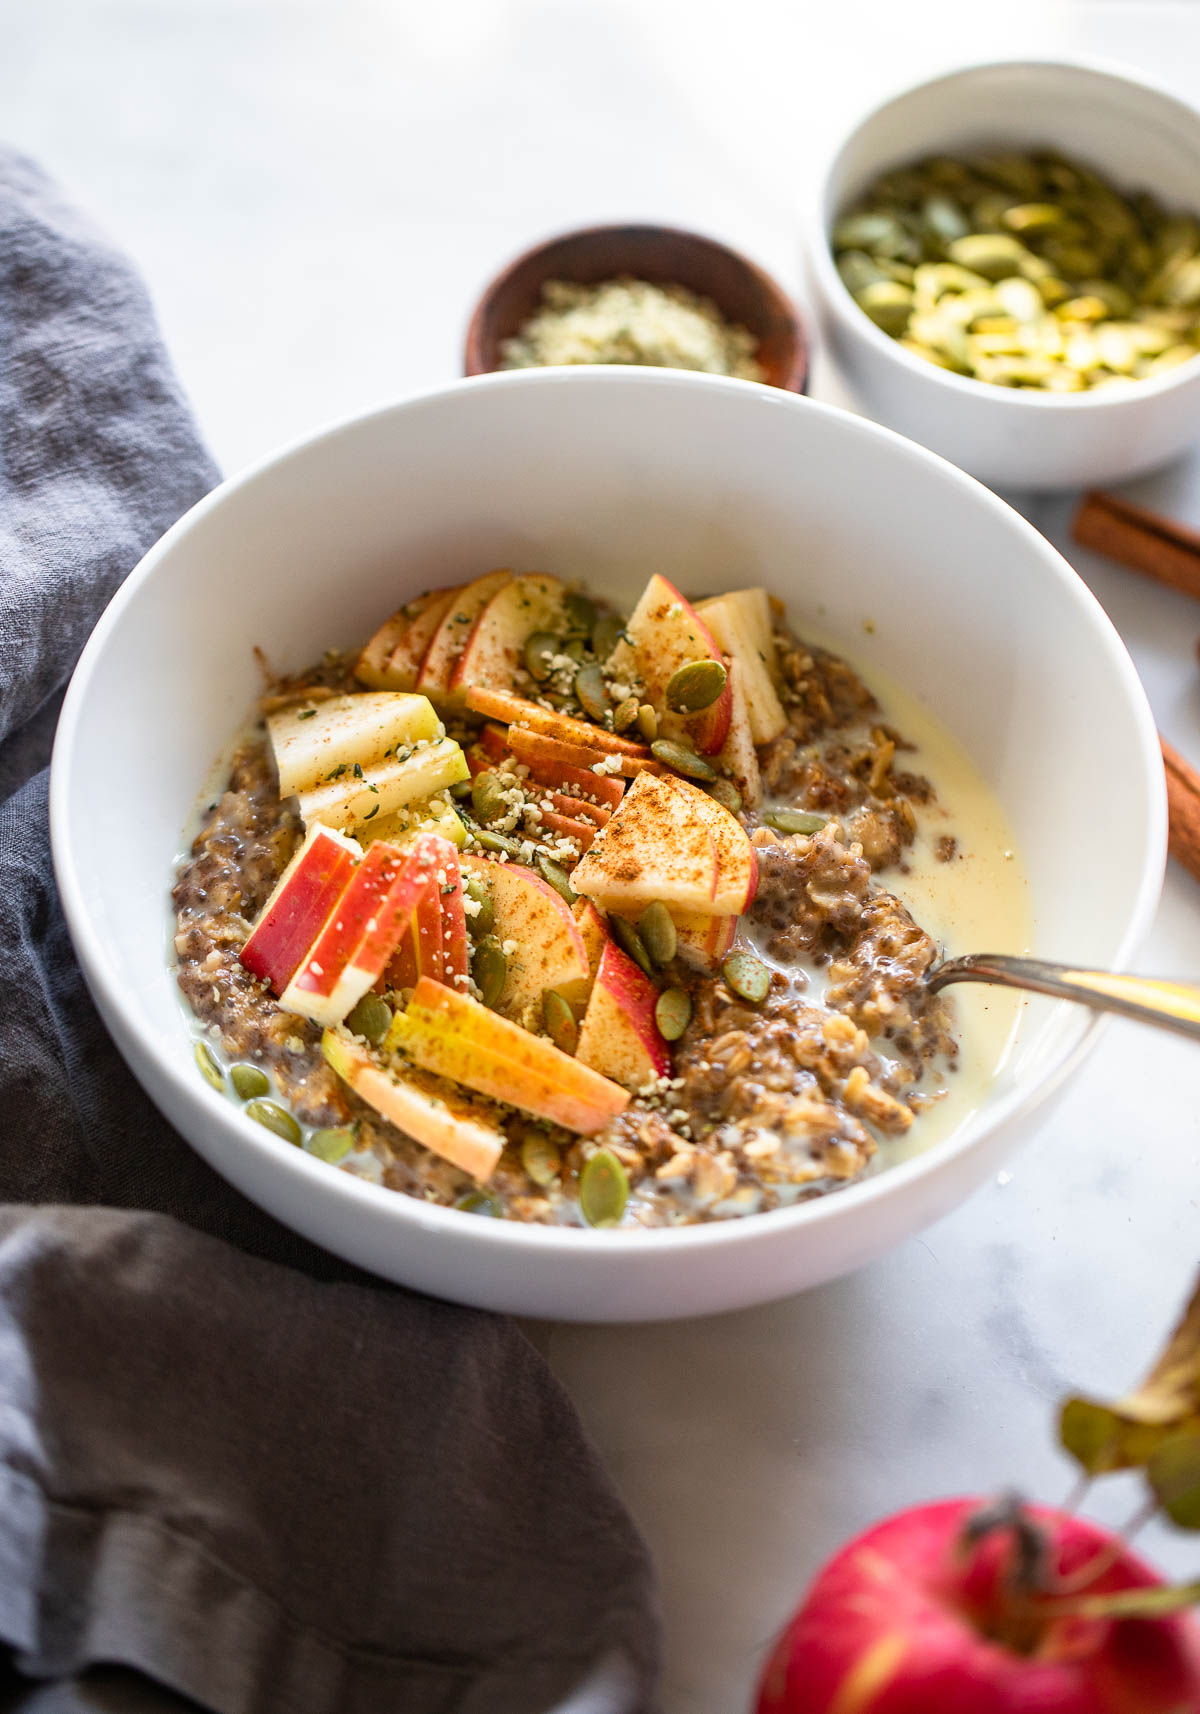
(841, 303)
(784, 304)
(241, 1133)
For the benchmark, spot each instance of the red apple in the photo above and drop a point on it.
(450, 638)
(619, 1037)
(493, 741)
(737, 860)
(493, 649)
(549, 949)
(911, 1618)
(654, 847)
(702, 941)
(536, 747)
(300, 906)
(582, 832)
(607, 789)
(738, 758)
(516, 710)
(392, 658)
(664, 633)
(579, 809)
(740, 622)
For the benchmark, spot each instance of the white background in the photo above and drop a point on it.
(316, 192)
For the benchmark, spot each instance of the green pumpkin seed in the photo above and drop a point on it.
(673, 1013)
(332, 1144)
(603, 1190)
(591, 691)
(747, 976)
(249, 1081)
(943, 219)
(491, 840)
(858, 271)
(489, 968)
(559, 1020)
(726, 794)
(625, 714)
(794, 820)
(696, 686)
(540, 650)
(575, 649)
(479, 1202)
(370, 1018)
(274, 1118)
(1034, 217)
(556, 876)
(484, 919)
(210, 1069)
(488, 798)
(647, 722)
(888, 304)
(580, 610)
(657, 929)
(682, 760)
(992, 254)
(606, 634)
(631, 943)
(460, 789)
(541, 1158)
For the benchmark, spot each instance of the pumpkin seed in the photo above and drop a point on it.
(488, 798)
(606, 634)
(332, 1144)
(682, 760)
(210, 1069)
(647, 722)
(580, 611)
(888, 304)
(726, 794)
(489, 967)
(575, 649)
(540, 650)
(541, 1158)
(492, 841)
(631, 943)
(603, 1190)
(657, 930)
(460, 789)
(559, 1020)
(479, 1202)
(794, 820)
(673, 1013)
(556, 876)
(592, 691)
(484, 918)
(274, 1118)
(1034, 217)
(747, 976)
(992, 254)
(858, 271)
(696, 686)
(249, 1081)
(625, 714)
(370, 1018)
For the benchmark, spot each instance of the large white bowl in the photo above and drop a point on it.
(1145, 139)
(608, 474)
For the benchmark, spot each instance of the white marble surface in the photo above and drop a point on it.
(316, 189)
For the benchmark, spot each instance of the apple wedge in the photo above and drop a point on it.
(582, 832)
(737, 861)
(460, 1128)
(654, 847)
(493, 650)
(392, 658)
(550, 949)
(350, 953)
(450, 638)
(741, 625)
(703, 942)
(530, 747)
(619, 1037)
(300, 906)
(664, 633)
(515, 710)
(579, 809)
(454, 1036)
(312, 745)
(580, 782)
(360, 794)
(738, 759)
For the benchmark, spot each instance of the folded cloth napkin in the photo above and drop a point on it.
(234, 1473)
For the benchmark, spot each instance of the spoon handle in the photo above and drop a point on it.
(1170, 1005)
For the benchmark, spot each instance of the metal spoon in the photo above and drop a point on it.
(1170, 1005)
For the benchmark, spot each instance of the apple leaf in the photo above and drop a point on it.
(1156, 1602)
(1124, 1435)
(1173, 1472)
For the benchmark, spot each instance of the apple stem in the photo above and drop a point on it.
(1108, 1555)
(1077, 1495)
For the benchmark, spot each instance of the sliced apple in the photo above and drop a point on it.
(371, 666)
(398, 669)
(300, 906)
(663, 633)
(358, 796)
(580, 782)
(619, 1037)
(516, 710)
(737, 861)
(741, 624)
(448, 877)
(454, 1036)
(654, 847)
(450, 638)
(701, 941)
(459, 1127)
(311, 745)
(349, 955)
(493, 741)
(531, 747)
(579, 809)
(549, 948)
(493, 649)
(582, 832)
(738, 759)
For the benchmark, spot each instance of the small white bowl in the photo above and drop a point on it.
(1146, 139)
(607, 474)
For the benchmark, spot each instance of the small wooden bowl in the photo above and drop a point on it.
(663, 256)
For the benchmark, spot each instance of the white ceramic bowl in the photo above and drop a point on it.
(608, 474)
(1145, 139)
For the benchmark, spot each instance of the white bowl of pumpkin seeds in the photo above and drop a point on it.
(1006, 260)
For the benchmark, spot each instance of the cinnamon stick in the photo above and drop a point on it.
(1183, 808)
(1144, 541)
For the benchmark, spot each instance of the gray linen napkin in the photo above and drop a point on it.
(234, 1478)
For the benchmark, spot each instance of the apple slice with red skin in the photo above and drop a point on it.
(493, 650)
(300, 905)
(664, 633)
(594, 930)
(451, 636)
(531, 747)
(581, 782)
(579, 809)
(737, 860)
(582, 832)
(654, 847)
(516, 710)
(454, 1036)
(398, 669)
(912, 1618)
(619, 1037)
(435, 942)
(740, 622)
(738, 758)
(493, 741)
(448, 881)
(703, 942)
(349, 955)
(550, 949)
(459, 1127)
(371, 665)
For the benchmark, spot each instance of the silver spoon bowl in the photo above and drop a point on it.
(1149, 999)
